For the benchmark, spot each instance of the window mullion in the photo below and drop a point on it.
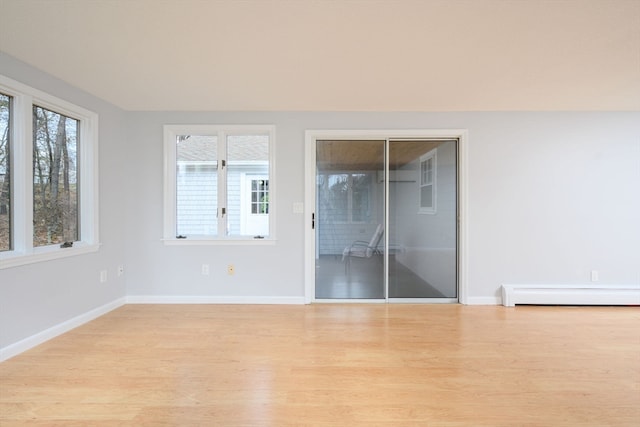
(170, 204)
(88, 186)
(22, 151)
(222, 184)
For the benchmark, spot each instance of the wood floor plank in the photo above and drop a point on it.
(333, 365)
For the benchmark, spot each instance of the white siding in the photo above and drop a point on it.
(197, 193)
(233, 201)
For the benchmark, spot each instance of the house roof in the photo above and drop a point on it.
(347, 55)
(198, 148)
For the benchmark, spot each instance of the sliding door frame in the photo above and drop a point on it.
(311, 136)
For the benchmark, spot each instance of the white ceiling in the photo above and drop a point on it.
(324, 55)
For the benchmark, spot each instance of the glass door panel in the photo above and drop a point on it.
(422, 231)
(349, 222)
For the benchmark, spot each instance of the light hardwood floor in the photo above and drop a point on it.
(333, 365)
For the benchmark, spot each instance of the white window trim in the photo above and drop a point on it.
(171, 132)
(433, 154)
(24, 98)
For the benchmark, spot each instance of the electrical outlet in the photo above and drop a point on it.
(103, 276)
(595, 276)
(231, 269)
(120, 270)
(205, 269)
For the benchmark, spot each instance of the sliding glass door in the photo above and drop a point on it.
(385, 219)
(349, 220)
(422, 229)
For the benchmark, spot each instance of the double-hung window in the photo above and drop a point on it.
(219, 184)
(48, 176)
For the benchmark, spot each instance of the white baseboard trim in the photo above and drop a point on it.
(59, 329)
(181, 299)
(571, 294)
(511, 295)
(483, 301)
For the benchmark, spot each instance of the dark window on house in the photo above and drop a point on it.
(259, 196)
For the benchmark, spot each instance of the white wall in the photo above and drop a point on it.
(159, 270)
(553, 196)
(36, 297)
(550, 197)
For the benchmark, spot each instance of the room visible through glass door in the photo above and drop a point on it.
(422, 230)
(350, 219)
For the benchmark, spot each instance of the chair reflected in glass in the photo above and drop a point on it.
(362, 249)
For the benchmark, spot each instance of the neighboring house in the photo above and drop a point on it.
(198, 174)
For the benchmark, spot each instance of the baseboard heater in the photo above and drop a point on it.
(570, 295)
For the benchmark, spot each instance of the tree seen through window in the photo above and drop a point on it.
(5, 176)
(55, 177)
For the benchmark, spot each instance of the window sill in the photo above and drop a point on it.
(47, 253)
(194, 241)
